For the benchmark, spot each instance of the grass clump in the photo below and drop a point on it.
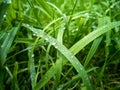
(59, 45)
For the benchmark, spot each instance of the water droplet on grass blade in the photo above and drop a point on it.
(2, 46)
(46, 39)
(85, 37)
(53, 43)
(7, 1)
(78, 71)
(32, 55)
(56, 46)
(34, 34)
(77, 63)
(4, 15)
(27, 25)
(87, 15)
(72, 57)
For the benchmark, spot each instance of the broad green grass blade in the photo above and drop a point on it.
(6, 42)
(74, 61)
(93, 35)
(101, 22)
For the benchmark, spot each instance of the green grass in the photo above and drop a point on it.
(59, 45)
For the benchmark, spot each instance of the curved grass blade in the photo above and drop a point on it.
(93, 35)
(74, 61)
(73, 50)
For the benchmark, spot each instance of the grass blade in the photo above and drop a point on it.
(93, 35)
(92, 50)
(83, 42)
(6, 42)
(60, 59)
(46, 7)
(74, 61)
(101, 22)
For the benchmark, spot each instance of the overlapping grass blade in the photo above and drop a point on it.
(49, 74)
(75, 48)
(6, 42)
(60, 57)
(92, 51)
(93, 35)
(45, 7)
(74, 61)
(101, 22)
(108, 41)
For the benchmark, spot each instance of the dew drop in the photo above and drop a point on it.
(27, 25)
(73, 30)
(77, 63)
(95, 36)
(85, 37)
(53, 43)
(7, 1)
(76, 29)
(94, 27)
(4, 15)
(81, 69)
(56, 46)
(77, 70)
(34, 34)
(46, 39)
(2, 46)
(72, 57)
(87, 15)
(32, 55)
(112, 6)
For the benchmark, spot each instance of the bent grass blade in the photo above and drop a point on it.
(74, 49)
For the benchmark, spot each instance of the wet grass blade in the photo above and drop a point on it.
(74, 61)
(83, 42)
(60, 57)
(96, 42)
(6, 42)
(93, 35)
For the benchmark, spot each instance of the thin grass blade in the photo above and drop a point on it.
(6, 42)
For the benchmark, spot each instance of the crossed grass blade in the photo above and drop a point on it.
(74, 61)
